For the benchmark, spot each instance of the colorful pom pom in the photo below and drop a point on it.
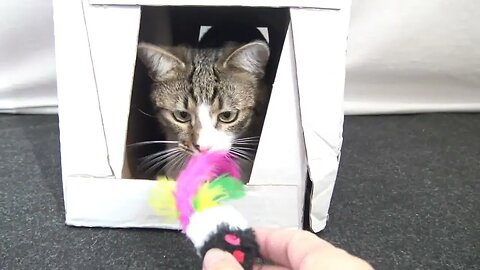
(201, 168)
(195, 190)
(195, 200)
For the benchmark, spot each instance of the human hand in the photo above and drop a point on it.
(290, 250)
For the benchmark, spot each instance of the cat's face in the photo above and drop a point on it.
(206, 99)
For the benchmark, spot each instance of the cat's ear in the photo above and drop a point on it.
(252, 57)
(160, 63)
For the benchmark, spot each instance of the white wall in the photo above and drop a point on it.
(404, 56)
(27, 63)
(413, 56)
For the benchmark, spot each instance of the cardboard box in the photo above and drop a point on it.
(96, 43)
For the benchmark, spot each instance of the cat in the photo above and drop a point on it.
(209, 97)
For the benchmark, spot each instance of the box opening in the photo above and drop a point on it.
(172, 26)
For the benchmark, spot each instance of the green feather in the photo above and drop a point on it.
(233, 188)
(222, 188)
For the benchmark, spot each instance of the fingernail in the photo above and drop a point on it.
(213, 255)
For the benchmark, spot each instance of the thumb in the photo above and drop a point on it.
(216, 259)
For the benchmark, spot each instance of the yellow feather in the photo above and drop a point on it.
(207, 197)
(162, 200)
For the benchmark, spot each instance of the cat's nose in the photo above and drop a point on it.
(203, 148)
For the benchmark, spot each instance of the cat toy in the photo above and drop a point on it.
(195, 200)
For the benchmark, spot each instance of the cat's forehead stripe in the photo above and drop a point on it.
(204, 78)
(185, 102)
(214, 94)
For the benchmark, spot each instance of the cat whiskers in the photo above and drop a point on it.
(152, 162)
(253, 139)
(244, 148)
(178, 162)
(171, 163)
(144, 113)
(173, 160)
(247, 141)
(151, 142)
(240, 147)
(237, 154)
(242, 152)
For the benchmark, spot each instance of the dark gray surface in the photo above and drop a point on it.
(406, 198)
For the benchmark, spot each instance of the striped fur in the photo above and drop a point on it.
(224, 80)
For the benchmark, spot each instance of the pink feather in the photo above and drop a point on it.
(201, 167)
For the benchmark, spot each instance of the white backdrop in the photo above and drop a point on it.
(403, 56)
(413, 56)
(27, 63)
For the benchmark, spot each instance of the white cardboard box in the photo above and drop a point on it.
(96, 44)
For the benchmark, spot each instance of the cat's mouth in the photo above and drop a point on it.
(193, 148)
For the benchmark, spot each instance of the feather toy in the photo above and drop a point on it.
(195, 199)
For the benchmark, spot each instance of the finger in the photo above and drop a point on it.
(216, 259)
(333, 259)
(269, 267)
(288, 247)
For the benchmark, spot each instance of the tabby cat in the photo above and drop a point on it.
(208, 98)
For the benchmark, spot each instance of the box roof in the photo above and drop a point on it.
(327, 4)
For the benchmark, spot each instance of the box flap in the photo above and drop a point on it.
(328, 4)
(124, 203)
(280, 157)
(82, 139)
(321, 88)
(113, 35)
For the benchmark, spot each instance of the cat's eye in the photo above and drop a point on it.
(228, 116)
(182, 116)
